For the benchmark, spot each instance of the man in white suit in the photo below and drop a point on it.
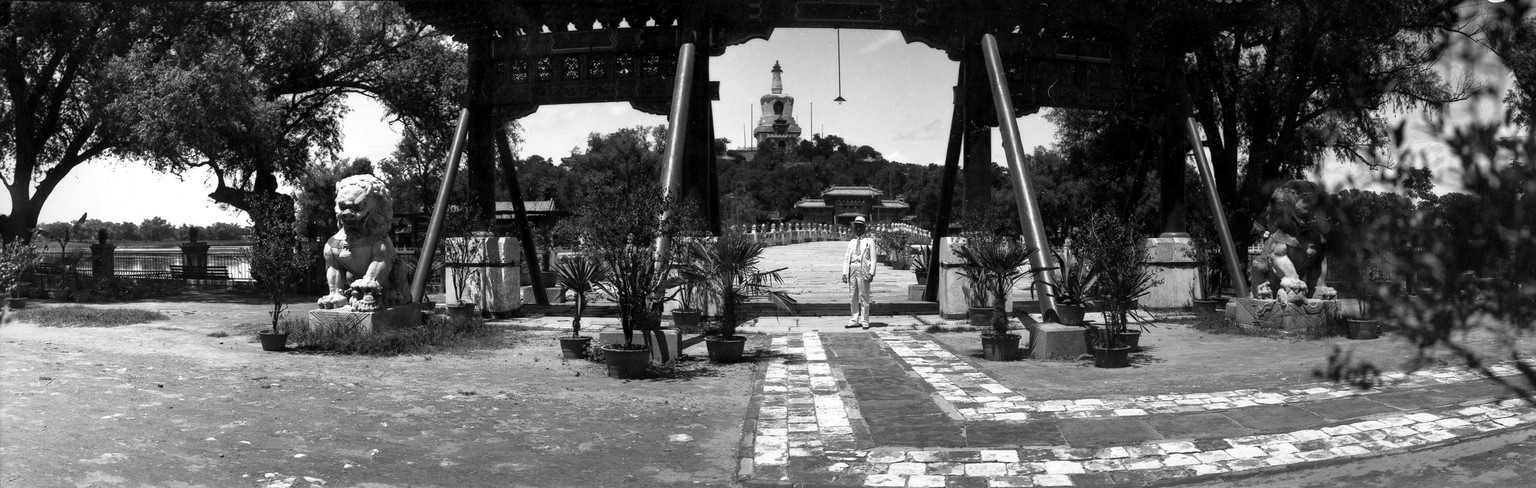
(858, 271)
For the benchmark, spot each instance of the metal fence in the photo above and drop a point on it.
(157, 263)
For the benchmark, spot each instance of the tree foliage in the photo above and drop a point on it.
(57, 61)
(1294, 82)
(260, 94)
(254, 92)
(278, 255)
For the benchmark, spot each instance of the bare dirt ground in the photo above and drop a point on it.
(165, 404)
(1179, 359)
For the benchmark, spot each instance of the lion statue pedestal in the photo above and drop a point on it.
(365, 280)
(347, 321)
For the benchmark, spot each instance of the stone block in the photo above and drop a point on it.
(951, 295)
(1052, 340)
(1177, 288)
(393, 318)
(668, 337)
(1170, 248)
(915, 292)
(498, 286)
(555, 294)
(1172, 261)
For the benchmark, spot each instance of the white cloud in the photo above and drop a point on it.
(880, 41)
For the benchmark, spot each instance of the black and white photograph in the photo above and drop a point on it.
(616, 243)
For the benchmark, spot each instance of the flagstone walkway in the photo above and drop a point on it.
(895, 408)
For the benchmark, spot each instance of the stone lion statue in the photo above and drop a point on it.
(1296, 238)
(360, 259)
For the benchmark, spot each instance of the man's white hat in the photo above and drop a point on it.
(858, 220)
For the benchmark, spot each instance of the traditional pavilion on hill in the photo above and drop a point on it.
(840, 204)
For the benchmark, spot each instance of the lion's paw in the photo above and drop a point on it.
(334, 300)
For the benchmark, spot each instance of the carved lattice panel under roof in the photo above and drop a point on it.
(1100, 54)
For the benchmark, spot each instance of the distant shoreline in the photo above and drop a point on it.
(53, 247)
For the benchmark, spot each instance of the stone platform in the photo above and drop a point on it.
(1051, 340)
(1252, 312)
(344, 319)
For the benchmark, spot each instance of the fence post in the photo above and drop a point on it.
(194, 255)
(103, 259)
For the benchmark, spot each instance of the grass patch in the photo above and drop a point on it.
(438, 334)
(81, 316)
(1220, 324)
(218, 334)
(940, 328)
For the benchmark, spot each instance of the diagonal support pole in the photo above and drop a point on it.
(1219, 213)
(1023, 191)
(677, 129)
(435, 229)
(531, 255)
(946, 195)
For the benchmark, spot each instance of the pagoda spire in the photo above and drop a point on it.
(778, 82)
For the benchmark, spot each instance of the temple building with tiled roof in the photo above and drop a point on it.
(840, 204)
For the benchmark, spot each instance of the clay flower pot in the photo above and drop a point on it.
(626, 363)
(574, 347)
(1000, 348)
(273, 341)
(725, 350)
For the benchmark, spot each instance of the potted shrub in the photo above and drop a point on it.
(15, 260)
(1364, 329)
(1123, 279)
(726, 267)
(278, 257)
(992, 264)
(1205, 249)
(894, 244)
(580, 275)
(619, 227)
(464, 255)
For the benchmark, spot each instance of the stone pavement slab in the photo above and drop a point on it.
(1271, 418)
(1196, 425)
(1107, 432)
(1348, 408)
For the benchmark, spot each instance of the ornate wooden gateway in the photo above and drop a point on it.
(1015, 57)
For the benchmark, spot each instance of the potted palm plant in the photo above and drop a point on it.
(580, 275)
(278, 259)
(727, 267)
(1074, 279)
(920, 265)
(992, 265)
